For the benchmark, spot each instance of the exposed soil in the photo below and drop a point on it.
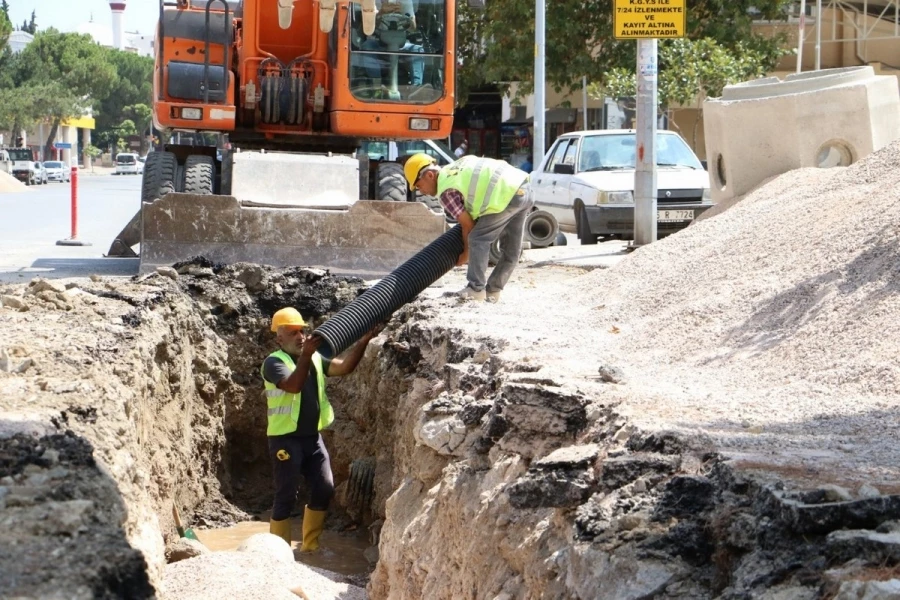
(715, 416)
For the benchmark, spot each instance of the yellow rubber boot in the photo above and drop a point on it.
(313, 524)
(281, 528)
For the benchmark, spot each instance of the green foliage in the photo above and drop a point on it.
(5, 29)
(4, 8)
(72, 59)
(30, 26)
(131, 91)
(579, 42)
(22, 107)
(688, 68)
(60, 75)
(92, 151)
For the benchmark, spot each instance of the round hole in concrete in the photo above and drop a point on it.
(720, 171)
(834, 153)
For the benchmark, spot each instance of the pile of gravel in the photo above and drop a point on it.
(772, 327)
(250, 576)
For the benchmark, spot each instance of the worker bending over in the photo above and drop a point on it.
(491, 200)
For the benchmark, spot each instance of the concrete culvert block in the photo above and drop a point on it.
(269, 544)
(763, 128)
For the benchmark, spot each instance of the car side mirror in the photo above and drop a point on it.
(564, 169)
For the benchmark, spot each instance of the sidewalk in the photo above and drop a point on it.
(95, 171)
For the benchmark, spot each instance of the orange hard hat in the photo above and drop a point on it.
(414, 165)
(287, 316)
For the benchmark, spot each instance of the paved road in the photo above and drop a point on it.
(32, 221)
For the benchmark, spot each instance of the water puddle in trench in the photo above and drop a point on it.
(341, 552)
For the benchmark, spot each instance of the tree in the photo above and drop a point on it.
(132, 88)
(30, 26)
(5, 29)
(4, 8)
(75, 64)
(689, 70)
(580, 43)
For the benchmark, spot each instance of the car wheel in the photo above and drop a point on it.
(584, 229)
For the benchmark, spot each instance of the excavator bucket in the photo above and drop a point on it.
(369, 239)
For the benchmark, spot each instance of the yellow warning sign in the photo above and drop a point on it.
(636, 19)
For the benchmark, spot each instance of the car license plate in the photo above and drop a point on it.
(667, 216)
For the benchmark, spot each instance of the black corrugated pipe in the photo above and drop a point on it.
(379, 302)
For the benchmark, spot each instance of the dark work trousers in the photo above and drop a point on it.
(307, 457)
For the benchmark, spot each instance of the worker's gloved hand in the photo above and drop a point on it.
(310, 345)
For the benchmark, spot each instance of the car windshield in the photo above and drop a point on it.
(616, 151)
(53, 165)
(127, 159)
(20, 154)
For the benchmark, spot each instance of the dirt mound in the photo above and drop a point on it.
(8, 183)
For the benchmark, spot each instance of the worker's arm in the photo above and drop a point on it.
(467, 223)
(346, 362)
(293, 383)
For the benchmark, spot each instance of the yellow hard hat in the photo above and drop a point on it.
(287, 316)
(414, 165)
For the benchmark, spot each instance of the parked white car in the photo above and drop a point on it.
(128, 164)
(586, 181)
(57, 171)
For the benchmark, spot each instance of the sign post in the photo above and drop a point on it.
(646, 21)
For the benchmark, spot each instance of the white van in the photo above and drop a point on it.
(128, 164)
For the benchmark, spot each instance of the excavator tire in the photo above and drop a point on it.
(391, 182)
(159, 177)
(199, 174)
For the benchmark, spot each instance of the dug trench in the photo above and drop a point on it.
(478, 476)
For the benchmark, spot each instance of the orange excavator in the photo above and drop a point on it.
(294, 86)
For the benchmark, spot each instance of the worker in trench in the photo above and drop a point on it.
(298, 410)
(491, 200)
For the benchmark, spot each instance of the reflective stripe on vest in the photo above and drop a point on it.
(487, 184)
(284, 408)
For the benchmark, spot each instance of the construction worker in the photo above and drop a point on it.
(491, 200)
(298, 410)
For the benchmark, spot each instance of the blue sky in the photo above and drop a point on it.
(67, 15)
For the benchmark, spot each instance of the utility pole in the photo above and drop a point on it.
(584, 103)
(645, 143)
(800, 35)
(818, 34)
(539, 83)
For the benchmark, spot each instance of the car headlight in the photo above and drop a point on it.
(707, 195)
(617, 197)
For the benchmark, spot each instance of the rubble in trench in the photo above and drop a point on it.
(507, 453)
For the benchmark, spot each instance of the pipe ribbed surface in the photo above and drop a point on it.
(379, 302)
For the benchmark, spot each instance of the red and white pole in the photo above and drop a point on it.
(73, 239)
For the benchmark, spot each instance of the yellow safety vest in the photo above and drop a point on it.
(284, 408)
(488, 185)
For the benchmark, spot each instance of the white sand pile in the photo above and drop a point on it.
(773, 327)
(250, 576)
(8, 183)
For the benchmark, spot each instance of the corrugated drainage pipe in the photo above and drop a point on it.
(379, 302)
